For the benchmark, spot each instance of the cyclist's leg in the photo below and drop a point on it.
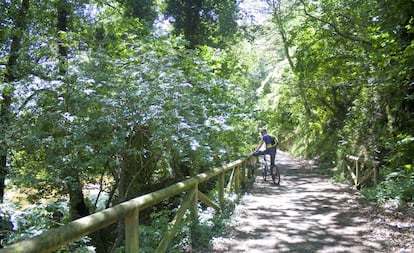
(272, 157)
(271, 152)
(274, 169)
(258, 153)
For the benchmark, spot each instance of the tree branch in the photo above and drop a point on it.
(335, 28)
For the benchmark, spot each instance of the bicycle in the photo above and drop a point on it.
(274, 173)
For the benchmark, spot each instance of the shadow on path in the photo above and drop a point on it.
(306, 213)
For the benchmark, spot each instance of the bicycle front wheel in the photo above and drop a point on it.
(275, 175)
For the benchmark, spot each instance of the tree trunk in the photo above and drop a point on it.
(7, 92)
(135, 172)
(74, 186)
(277, 14)
(138, 164)
(77, 204)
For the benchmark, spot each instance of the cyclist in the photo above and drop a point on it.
(271, 144)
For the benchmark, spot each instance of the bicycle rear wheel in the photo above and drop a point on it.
(275, 175)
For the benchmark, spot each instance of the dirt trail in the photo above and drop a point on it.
(306, 213)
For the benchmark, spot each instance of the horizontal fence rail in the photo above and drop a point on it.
(129, 213)
(361, 169)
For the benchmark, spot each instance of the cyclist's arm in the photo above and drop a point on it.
(259, 146)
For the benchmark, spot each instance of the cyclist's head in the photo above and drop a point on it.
(263, 131)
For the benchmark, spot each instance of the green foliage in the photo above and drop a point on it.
(142, 110)
(204, 22)
(176, 94)
(132, 108)
(348, 89)
(211, 225)
(192, 235)
(397, 187)
(398, 176)
(143, 9)
(7, 212)
(33, 220)
(39, 217)
(136, 109)
(151, 235)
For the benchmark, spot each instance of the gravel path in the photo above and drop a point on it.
(306, 213)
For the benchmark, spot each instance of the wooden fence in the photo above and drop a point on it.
(129, 213)
(361, 170)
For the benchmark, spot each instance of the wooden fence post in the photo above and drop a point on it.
(194, 202)
(344, 164)
(221, 189)
(246, 172)
(237, 179)
(356, 172)
(132, 231)
(230, 183)
(376, 174)
(166, 240)
(194, 215)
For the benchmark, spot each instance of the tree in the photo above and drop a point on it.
(351, 88)
(11, 75)
(102, 104)
(204, 22)
(283, 13)
(143, 9)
